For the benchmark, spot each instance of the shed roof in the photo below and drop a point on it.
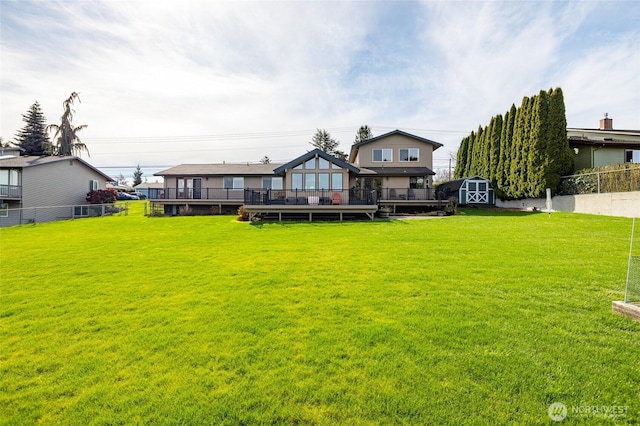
(454, 185)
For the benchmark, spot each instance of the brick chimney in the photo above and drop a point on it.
(606, 123)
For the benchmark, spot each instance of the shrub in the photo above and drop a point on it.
(243, 215)
(102, 196)
(452, 206)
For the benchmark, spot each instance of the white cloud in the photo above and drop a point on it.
(210, 68)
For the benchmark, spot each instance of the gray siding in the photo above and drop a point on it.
(62, 183)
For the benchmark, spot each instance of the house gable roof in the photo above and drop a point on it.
(356, 146)
(319, 153)
(33, 161)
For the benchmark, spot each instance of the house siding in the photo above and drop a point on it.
(395, 143)
(62, 183)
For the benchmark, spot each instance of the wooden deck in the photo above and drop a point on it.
(308, 211)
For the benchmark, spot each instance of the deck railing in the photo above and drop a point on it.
(11, 191)
(323, 197)
(406, 194)
(286, 196)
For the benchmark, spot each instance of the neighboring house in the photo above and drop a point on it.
(29, 184)
(470, 190)
(604, 146)
(394, 168)
(145, 187)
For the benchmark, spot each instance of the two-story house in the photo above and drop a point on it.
(394, 169)
(41, 189)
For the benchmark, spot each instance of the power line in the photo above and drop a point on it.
(246, 136)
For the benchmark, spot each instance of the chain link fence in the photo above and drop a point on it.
(632, 289)
(623, 178)
(26, 215)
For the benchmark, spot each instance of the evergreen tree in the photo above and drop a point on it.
(504, 164)
(33, 136)
(265, 160)
(494, 151)
(461, 158)
(66, 136)
(323, 141)
(470, 154)
(364, 133)
(137, 176)
(560, 154)
(538, 159)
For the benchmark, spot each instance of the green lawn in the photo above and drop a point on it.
(482, 318)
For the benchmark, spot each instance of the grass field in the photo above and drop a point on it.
(482, 318)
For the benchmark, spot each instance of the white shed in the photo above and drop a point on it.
(470, 190)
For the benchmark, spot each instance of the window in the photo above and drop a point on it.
(632, 156)
(323, 180)
(384, 154)
(93, 185)
(334, 166)
(309, 181)
(310, 164)
(296, 180)
(336, 181)
(181, 185)
(234, 182)
(79, 211)
(272, 182)
(298, 167)
(323, 164)
(416, 182)
(409, 154)
(4, 210)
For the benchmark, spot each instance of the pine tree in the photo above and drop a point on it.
(137, 176)
(66, 136)
(323, 141)
(364, 133)
(33, 136)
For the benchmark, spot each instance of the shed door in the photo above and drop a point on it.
(477, 191)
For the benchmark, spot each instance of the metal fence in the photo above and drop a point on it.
(632, 288)
(26, 215)
(309, 197)
(617, 180)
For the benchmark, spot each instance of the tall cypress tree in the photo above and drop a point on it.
(461, 158)
(494, 151)
(33, 136)
(506, 152)
(538, 155)
(470, 149)
(560, 154)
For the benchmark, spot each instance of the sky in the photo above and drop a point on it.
(163, 83)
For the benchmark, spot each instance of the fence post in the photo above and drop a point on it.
(598, 176)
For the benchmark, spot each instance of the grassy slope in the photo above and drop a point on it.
(470, 319)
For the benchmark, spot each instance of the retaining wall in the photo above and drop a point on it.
(626, 204)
